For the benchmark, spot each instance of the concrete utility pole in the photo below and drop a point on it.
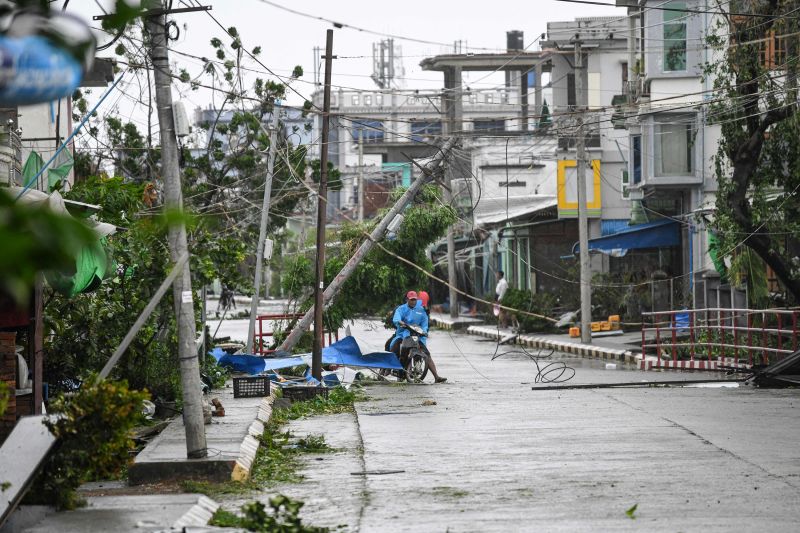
(262, 230)
(454, 125)
(361, 194)
(583, 222)
(377, 235)
(173, 200)
(322, 206)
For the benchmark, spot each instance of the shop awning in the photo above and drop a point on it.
(493, 211)
(659, 234)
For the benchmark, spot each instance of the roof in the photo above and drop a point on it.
(493, 210)
(511, 60)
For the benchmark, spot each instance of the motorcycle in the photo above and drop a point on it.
(413, 356)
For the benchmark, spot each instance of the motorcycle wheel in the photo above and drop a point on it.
(417, 367)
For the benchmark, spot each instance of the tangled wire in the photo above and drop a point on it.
(546, 372)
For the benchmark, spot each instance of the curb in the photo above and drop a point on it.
(568, 347)
(452, 324)
(198, 515)
(249, 447)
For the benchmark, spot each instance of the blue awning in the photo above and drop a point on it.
(659, 234)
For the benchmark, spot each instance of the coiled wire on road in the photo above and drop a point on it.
(546, 371)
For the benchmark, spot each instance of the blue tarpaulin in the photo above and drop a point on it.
(659, 234)
(345, 352)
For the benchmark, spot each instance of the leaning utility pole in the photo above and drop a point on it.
(583, 223)
(262, 230)
(377, 234)
(361, 194)
(322, 206)
(173, 201)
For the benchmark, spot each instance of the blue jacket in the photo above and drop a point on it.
(414, 317)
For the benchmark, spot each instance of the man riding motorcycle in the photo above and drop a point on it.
(412, 313)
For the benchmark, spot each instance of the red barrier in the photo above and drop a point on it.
(261, 336)
(735, 337)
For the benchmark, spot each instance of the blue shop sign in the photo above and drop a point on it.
(34, 70)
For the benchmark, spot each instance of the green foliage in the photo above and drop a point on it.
(3, 398)
(757, 165)
(93, 428)
(339, 400)
(609, 294)
(539, 303)
(283, 516)
(748, 269)
(276, 461)
(334, 175)
(35, 239)
(631, 513)
(87, 327)
(313, 444)
(380, 280)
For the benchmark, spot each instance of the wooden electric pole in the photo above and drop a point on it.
(583, 222)
(262, 231)
(322, 206)
(361, 194)
(191, 386)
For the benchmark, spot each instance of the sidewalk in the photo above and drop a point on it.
(618, 348)
(231, 440)
(445, 321)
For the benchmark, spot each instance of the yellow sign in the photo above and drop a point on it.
(568, 189)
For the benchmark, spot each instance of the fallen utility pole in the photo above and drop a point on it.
(583, 222)
(173, 200)
(377, 235)
(262, 230)
(638, 384)
(322, 207)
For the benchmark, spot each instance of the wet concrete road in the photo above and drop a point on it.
(484, 452)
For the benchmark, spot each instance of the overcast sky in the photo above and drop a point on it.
(288, 39)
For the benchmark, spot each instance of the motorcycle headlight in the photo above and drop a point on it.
(415, 338)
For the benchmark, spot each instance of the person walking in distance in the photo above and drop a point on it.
(500, 291)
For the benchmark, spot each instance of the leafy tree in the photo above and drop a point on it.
(758, 162)
(87, 327)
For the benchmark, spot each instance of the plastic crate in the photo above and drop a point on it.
(251, 387)
(299, 394)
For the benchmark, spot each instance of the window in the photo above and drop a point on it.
(378, 99)
(488, 125)
(636, 160)
(624, 77)
(674, 146)
(372, 131)
(412, 100)
(420, 129)
(571, 100)
(675, 36)
(367, 99)
(354, 99)
(489, 98)
(473, 98)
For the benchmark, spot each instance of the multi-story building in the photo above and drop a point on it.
(671, 143)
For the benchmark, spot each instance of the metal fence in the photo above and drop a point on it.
(265, 332)
(714, 337)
